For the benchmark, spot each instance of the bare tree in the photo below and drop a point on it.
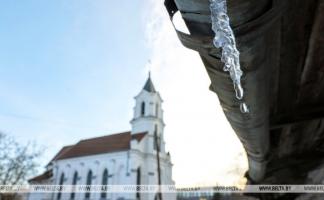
(17, 161)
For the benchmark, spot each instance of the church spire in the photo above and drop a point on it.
(148, 115)
(149, 85)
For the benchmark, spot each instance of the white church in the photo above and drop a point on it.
(128, 158)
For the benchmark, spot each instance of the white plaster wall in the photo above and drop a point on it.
(150, 99)
(116, 163)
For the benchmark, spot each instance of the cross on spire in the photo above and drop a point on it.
(149, 84)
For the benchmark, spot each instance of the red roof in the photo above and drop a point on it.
(105, 144)
(138, 136)
(62, 151)
(46, 175)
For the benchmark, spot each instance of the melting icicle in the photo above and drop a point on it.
(224, 38)
(238, 91)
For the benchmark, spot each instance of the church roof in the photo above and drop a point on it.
(62, 151)
(149, 85)
(105, 144)
(46, 175)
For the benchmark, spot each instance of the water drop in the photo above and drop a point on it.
(244, 108)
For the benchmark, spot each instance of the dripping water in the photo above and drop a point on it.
(224, 38)
(244, 108)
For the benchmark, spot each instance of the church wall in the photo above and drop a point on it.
(116, 164)
(39, 196)
(147, 124)
(150, 100)
(148, 164)
(123, 172)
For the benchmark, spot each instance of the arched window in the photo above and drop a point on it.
(138, 183)
(89, 180)
(104, 182)
(61, 183)
(74, 182)
(143, 108)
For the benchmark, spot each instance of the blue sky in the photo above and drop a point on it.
(69, 64)
(69, 70)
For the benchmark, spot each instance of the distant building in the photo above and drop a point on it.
(128, 158)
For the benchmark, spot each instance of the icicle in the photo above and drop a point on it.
(238, 91)
(224, 38)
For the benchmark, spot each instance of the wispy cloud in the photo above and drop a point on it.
(203, 146)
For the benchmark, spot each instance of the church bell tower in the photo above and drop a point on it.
(148, 115)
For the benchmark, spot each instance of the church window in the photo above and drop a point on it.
(143, 108)
(61, 183)
(104, 183)
(138, 183)
(74, 182)
(89, 180)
